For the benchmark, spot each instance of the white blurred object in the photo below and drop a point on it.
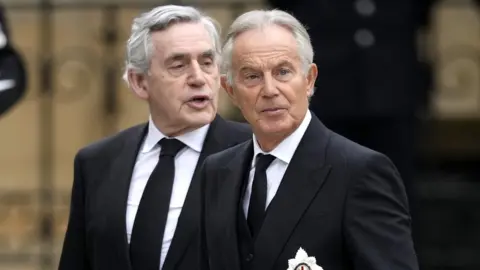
(6, 84)
(3, 38)
(303, 262)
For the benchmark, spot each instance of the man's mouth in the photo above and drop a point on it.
(199, 101)
(272, 109)
(276, 111)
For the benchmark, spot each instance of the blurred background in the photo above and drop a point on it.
(399, 76)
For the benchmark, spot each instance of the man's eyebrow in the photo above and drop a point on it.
(176, 57)
(284, 63)
(273, 65)
(182, 56)
(209, 53)
(246, 68)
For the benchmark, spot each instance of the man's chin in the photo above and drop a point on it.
(201, 118)
(274, 128)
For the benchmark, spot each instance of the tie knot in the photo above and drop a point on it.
(263, 161)
(170, 147)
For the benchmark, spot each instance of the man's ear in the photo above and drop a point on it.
(311, 78)
(138, 84)
(229, 89)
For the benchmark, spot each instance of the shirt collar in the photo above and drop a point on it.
(193, 139)
(285, 150)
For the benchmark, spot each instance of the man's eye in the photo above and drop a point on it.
(177, 66)
(208, 63)
(284, 71)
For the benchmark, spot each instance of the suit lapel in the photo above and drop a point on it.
(119, 184)
(217, 139)
(301, 183)
(232, 179)
(244, 232)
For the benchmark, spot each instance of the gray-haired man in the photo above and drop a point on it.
(135, 200)
(295, 184)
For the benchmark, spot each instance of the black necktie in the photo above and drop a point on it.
(149, 225)
(258, 198)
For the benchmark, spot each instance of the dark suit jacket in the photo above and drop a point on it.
(96, 234)
(341, 202)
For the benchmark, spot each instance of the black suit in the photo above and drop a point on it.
(96, 235)
(343, 203)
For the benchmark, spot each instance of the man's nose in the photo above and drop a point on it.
(196, 78)
(269, 86)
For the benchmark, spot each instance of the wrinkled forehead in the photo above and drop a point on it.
(262, 48)
(266, 58)
(189, 39)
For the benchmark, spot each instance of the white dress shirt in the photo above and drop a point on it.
(283, 154)
(147, 159)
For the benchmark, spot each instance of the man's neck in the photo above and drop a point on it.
(173, 130)
(268, 142)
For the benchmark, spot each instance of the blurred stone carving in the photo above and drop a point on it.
(456, 37)
(18, 220)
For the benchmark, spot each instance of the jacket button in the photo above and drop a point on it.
(364, 38)
(249, 257)
(365, 7)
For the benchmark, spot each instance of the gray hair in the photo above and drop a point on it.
(260, 18)
(139, 45)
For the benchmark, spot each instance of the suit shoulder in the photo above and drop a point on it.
(345, 151)
(108, 144)
(223, 157)
(242, 129)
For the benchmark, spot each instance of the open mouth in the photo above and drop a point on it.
(199, 99)
(199, 102)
